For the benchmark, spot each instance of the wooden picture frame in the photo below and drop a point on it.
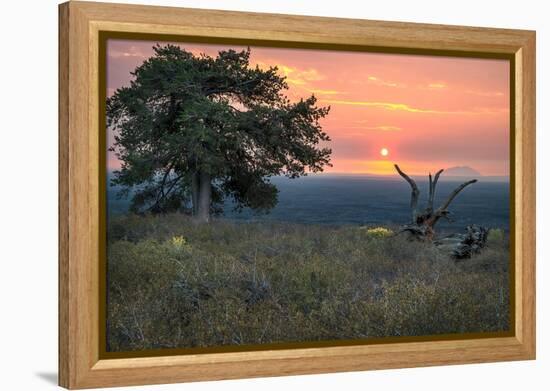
(80, 244)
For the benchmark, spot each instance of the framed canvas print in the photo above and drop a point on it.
(248, 195)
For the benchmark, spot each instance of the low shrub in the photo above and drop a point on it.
(173, 284)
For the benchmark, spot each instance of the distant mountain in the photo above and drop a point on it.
(461, 171)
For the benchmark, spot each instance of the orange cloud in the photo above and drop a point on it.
(437, 86)
(486, 93)
(385, 128)
(382, 105)
(299, 77)
(407, 108)
(380, 82)
(376, 167)
(323, 92)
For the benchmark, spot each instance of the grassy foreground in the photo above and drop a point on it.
(174, 284)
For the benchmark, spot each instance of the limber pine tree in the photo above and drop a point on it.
(194, 130)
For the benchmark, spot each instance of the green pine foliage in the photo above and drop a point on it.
(186, 120)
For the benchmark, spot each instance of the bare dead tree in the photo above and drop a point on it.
(422, 223)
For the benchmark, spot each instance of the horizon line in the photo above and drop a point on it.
(505, 177)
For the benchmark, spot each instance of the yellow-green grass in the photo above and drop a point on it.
(176, 284)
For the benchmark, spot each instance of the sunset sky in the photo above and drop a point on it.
(425, 112)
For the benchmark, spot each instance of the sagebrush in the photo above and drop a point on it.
(176, 284)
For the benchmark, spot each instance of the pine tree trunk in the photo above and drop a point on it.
(195, 193)
(204, 197)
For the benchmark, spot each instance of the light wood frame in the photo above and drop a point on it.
(80, 365)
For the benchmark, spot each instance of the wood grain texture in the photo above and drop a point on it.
(63, 221)
(526, 203)
(80, 24)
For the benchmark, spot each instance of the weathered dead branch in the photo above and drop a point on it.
(461, 246)
(422, 224)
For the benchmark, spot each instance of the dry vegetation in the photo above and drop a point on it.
(174, 284)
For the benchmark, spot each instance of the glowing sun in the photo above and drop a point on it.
(384, 152)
